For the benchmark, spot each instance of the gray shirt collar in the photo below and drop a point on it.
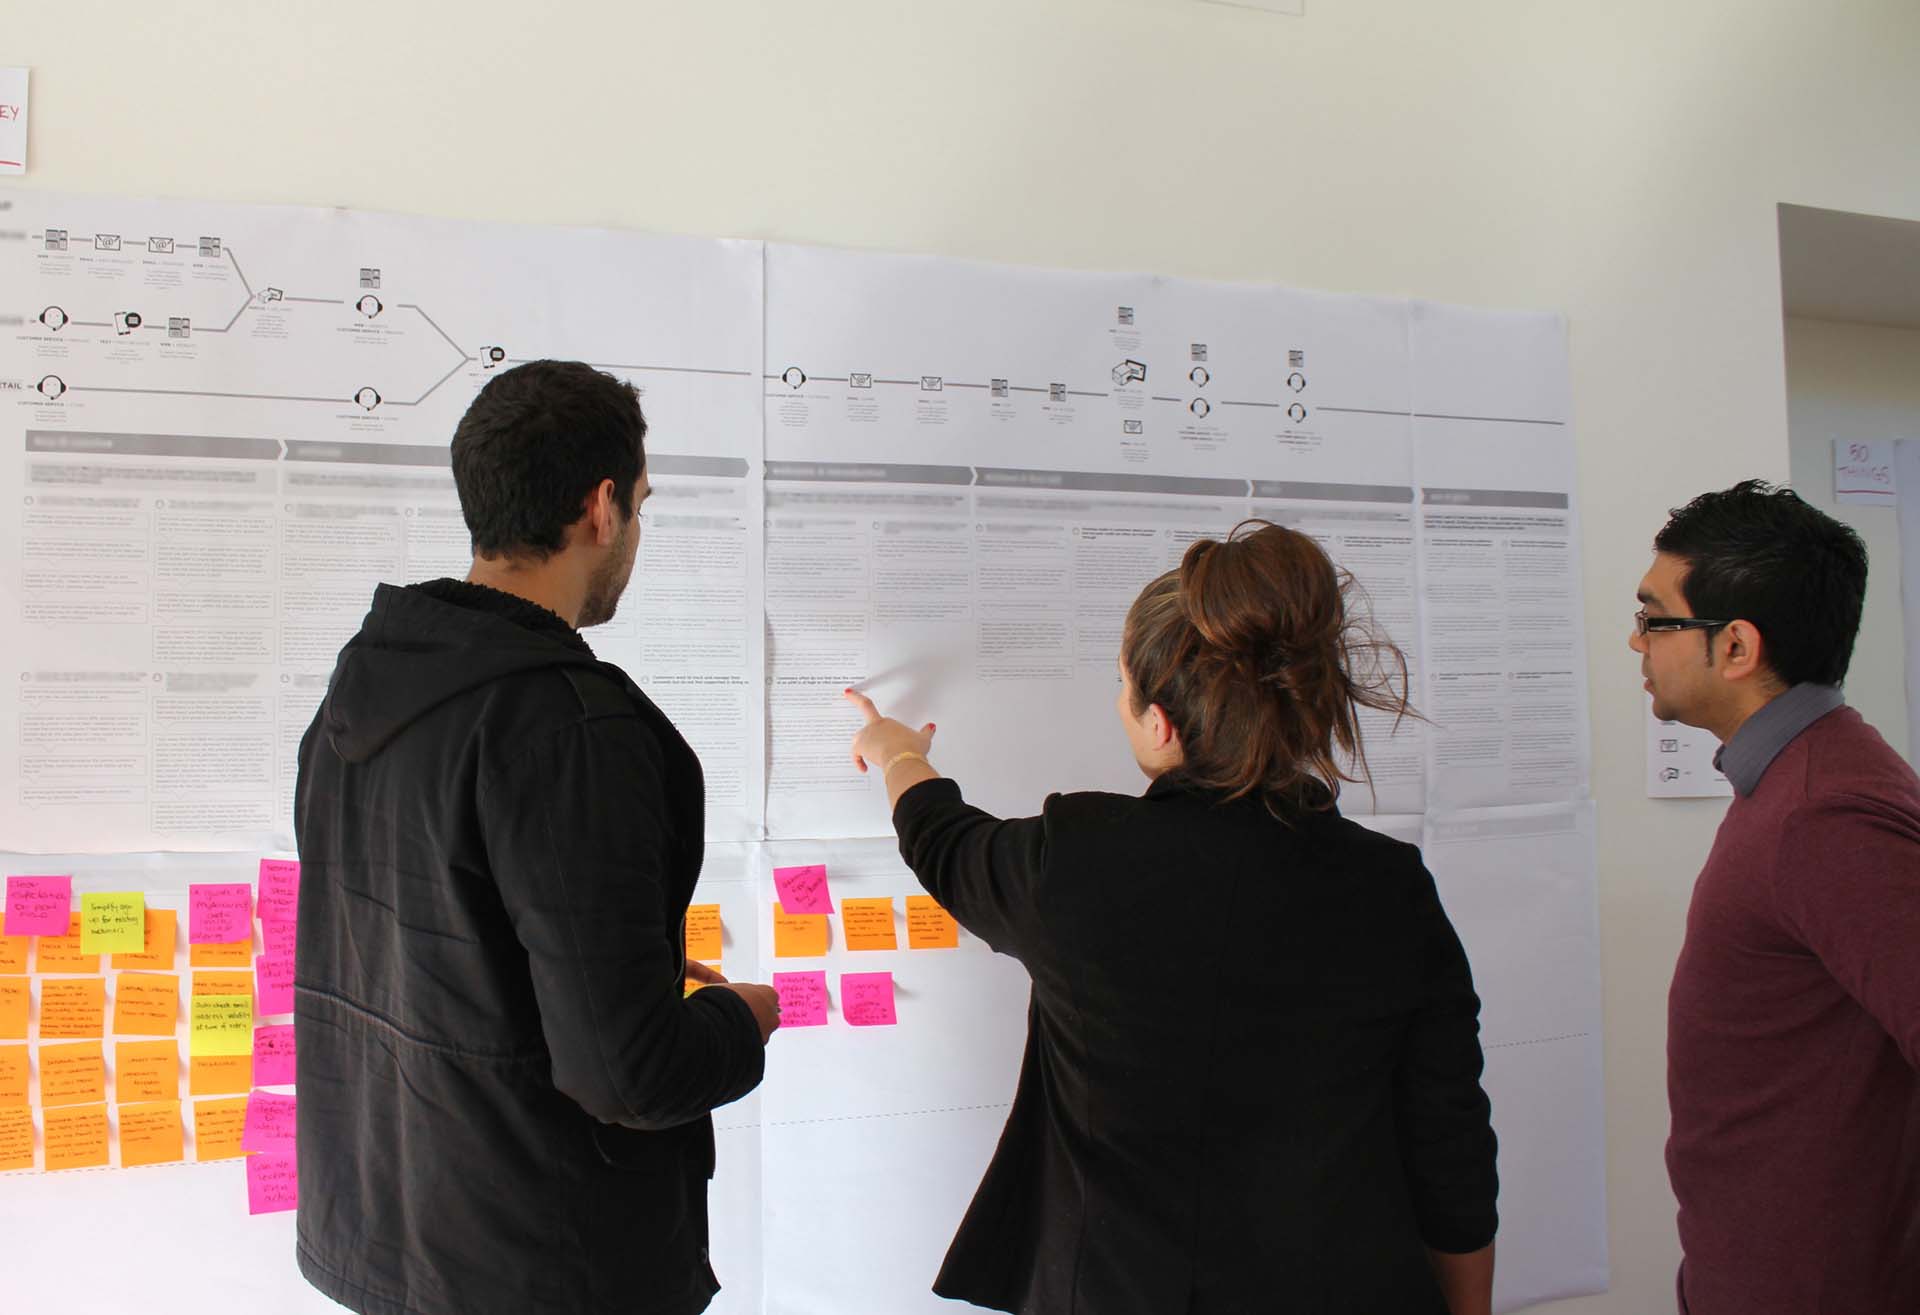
(1744, 759)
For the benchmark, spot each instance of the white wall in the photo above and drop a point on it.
(1617, 161)
(1859, 382)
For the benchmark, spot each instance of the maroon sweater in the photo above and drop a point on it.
(1793, 1040)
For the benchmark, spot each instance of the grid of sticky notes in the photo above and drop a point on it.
(803, 917)
(116, 1053)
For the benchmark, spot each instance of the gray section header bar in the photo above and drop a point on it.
(675, 463)
(153, 445)
(369, 454)
(1491, 498)
(1079, 480)
(863, 472)
(1305, 492)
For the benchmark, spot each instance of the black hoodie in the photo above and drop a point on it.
(503, 1095)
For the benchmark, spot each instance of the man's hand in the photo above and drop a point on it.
(763, 1000)
(706, 976)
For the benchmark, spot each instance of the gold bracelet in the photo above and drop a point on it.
(900, 758)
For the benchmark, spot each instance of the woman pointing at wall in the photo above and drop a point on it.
(1292, 1121)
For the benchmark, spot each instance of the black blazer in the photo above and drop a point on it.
(1252, 1070)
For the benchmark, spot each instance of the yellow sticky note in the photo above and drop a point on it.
(72, 1007)
(114, 923)
(13, 1075)
(13, 954)
(798, 935)
(234, 954)
(76, 1137)
(146, 1070)
(703, 931)
(217, 1125)
(220, 1025)
(62, 954)
(930, 927)
(223, 984)
(156, 947)
(16, 1137)
(219, 1075)
(146, 1004)
(73, 1074)
(15, 996)
(868, 924)
(150, 1133)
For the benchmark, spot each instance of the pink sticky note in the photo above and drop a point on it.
(219, 913)
(803, 890)
(279, 890)
(803, 999)
(273, 1183)
(273, 1055)
(273, 983)
(866, 999)
(269, 1122)
(278, 937)
(38, 906)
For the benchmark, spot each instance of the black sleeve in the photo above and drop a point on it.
(578, 844)
(1446, 1134)
(984, 871)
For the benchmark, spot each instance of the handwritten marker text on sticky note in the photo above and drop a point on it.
(219, 912)
(277, 937)
(930, 927)
(146, 1070)
(803, 998)
(279, 889)
(150, 1133)
(146, 1004)
(219, 1075)
(16, 1137)
(156, 948)
(38, 906)
(15, 996)
(803, 889)
(13, 1075)
(273, 1183)
(73, 1007)
(866, 999)
(273, 974)
(217, 1125)
(273, 1055)
(76, 1137)
(74, 1073)
(270, 1120)
(798, 935)
(62, 954)
(13, 954)
(703, 932)
(867, 924)
(114, 923)
(221, 1025)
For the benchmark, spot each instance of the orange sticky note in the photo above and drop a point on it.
(230, 954)
(146, 1004)
(692, 986)
(703, 931)
(146, 1070)
(150, 1133)
(61, 954)
(13, 1075)
(15, 995)
(76, 1137)
(217, 1125)
(798, 935)
(16, 1137)
(223, 983)
(73, 1074)
(219, 1075)
(73, 1007)
(13, 953)
(868, 924)
(930, 927)
(157, 953)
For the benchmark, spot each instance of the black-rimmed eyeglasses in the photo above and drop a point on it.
(1644, 624)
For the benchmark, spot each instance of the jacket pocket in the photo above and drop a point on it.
(632, 1150)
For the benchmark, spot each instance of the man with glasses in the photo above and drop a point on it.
(1793, 1031)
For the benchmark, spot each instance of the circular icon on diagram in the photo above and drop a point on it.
(793, 377)
(1198, 374)
(54, 318)
(369, 306)
(1297, 381)
(1296, 413)
(367, 397)
(126, 321)
(1201, 407)
(51, 387)
(490, 357)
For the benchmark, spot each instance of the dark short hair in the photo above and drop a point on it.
(536, 441)
(1759, 553)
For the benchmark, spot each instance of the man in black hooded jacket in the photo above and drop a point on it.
(504, 1096)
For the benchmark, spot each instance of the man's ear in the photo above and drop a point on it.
(602, 515)
(1745, 652)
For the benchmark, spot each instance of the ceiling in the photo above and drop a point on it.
(1837, 265)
